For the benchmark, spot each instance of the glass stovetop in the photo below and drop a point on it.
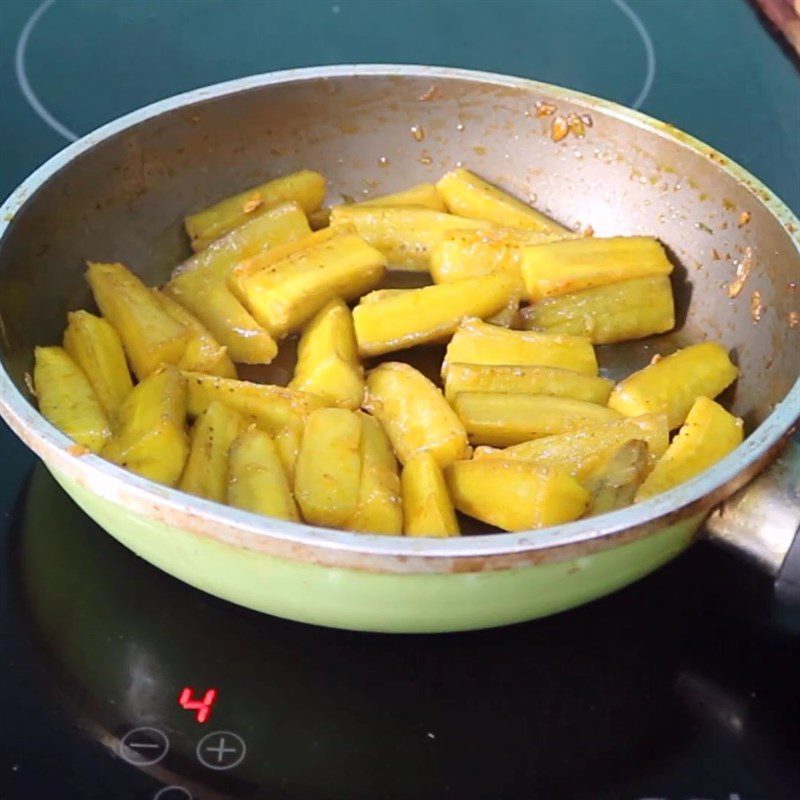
(683, 686)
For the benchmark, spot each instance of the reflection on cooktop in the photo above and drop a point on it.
(632, 696)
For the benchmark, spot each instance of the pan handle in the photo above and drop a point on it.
(762, 522)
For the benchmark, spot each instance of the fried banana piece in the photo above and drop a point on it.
(427, 508)
(468, 254)
(414, 414)
(615, 312)
(328, 473)
(327, 358)
(280, 225)
(151, 435)
(708, 435)
(200, 283)
(508, 315)
(423, 194)
(95, 347)
(672, 384)
(558, 268)
(428, 314)
(515, 495)
(502, 419)
(67, 400)
(405, 235)
(257, 481)
(203, 352)
(470, 196)
(614, 486)
(476, 342)
(149, 335)
(213, 433)
(207, 296)
(584, 451)
(288, 291)
(306, 188)
(279, 411)
(265, 261)
(380, 508)
(526, 380)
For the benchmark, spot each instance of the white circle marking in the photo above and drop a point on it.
(22, 75)
(221, 750)
(141, 759)
(649, 50)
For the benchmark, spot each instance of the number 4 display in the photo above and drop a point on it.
(202, 707)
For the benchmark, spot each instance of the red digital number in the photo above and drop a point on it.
(203, 707)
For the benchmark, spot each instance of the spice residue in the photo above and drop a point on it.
(756, 307)
(559, 129)
(542, 109)
(794, 319)
(576, 126)
(252, 203)
(742, 272)
(417, 132)
(744, 218)
(428, 95)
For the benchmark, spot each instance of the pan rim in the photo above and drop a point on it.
(368, 550)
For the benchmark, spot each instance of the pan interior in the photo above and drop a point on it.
(370, 134)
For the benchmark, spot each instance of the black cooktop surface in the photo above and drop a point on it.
(681, 687)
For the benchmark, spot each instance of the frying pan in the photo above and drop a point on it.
(120, 194)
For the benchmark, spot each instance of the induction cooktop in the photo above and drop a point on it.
(116, 681)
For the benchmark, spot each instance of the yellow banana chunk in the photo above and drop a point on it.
(508, 315)
(257, 481)
(615, 312)
(708, 435)
(328, 472)
(203, 352)
(550, 270)
(380, 509)
(379, 295)
(423, 194)
(279, 411)
(582, 452)
(672, 384)
(200, 283)
(95, 347)
(405, 235)
(470, 253)
(525, 380)
(278, 226)
(214, 431)
(67, 400)
(502, 419)
(615, 485)
(151, 438)
(414, 414)
(428, 314)
(427, 508)
(327, 358)
(149, 335)
(206, 295)
(306, 188)
(515, 495)
(476, 342)
(267, 259)
(467, 194)
(291, 289)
